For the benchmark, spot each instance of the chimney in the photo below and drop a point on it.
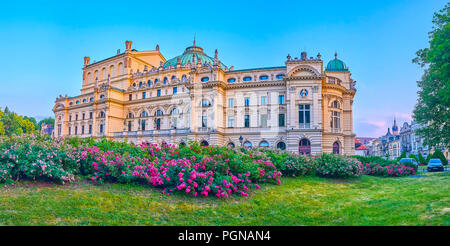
(118, 51)
(86, 60)
(128, 46)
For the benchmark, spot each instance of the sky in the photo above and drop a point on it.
(43, 44)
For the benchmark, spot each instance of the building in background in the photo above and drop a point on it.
(299, 106)
(47, 129)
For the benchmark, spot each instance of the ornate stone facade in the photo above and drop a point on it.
(139, 96)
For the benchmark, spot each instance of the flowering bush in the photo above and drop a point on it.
(393, 170)
(336, 166)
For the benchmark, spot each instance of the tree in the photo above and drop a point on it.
(433, 104)
(403, 155)
(32, 120)
(429, 156)
(2, 129)
(414, 157)
(48, 120)
(14, 124)
(439, 155)
(421, 159)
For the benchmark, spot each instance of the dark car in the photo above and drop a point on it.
(412, 160)
(435, 165)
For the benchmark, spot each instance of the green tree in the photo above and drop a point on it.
(403, 155)
(414, 157)
(439, 155)
(32, 120)
(433, 104)
(2, 129)
(422, 159)
(429, 156)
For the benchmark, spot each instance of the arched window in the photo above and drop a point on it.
(140, 84)
(78, 102)
(230, 145)
(70, 103)
(279, 76)
(158, 123)
(102, 96)
(205, 79)
(173, 77)
(264, 144)
(84, 100)
(91, 99)
(144, 114)
(134, 84)
(102, 114)
(206, 103)
(174, 111)
(143, 125)
(183, 78)
(149, 83)
(204, 143)
(248, 78)
(335, 104)
(263, 77)
(130, 115)
(335, 120)
(159, 112)
(232, 80)
(336, 148)
(305, 147)
(165, 81)
(281, 145)
(248, 144)
(156, 81)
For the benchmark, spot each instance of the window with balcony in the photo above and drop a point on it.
(264, 120)
(304, 115)
(281, 99)
(335, 120)
(230, 102)
(174, 90)
(158, 92)
(247, 121)
(144, 94)
(204, 121)
(247, 101)
(281, 120)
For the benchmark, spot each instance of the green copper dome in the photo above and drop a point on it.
(192, 54)
(336, 65)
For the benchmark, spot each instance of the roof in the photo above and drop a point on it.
(336, 65)
(192, 54)
(362, 147)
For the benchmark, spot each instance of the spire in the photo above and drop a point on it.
(335, 55)
(194, 40)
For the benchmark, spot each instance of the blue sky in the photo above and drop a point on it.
(43, 44)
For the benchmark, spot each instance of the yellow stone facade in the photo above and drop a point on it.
(141, 96)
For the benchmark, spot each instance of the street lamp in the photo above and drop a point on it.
(241, 139)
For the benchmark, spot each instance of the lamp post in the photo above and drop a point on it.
(241, 139)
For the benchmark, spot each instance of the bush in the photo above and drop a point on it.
(421, 159)
(375, 159)
(394, 170)
(414, 157)
(439, 155)
(336, 166)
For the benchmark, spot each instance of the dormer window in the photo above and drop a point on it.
(248, 78)
(231, 80)
(205, 79)
(279, 76)
(263, 77)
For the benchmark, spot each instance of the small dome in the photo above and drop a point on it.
(192, 54)
(336, 65)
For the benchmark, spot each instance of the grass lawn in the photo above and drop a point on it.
(298, 201)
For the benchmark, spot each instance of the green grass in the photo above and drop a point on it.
(298, 201)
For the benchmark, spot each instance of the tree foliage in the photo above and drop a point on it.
(433, 105)
(13, 124)
(439, 155)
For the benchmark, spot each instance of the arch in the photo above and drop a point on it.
(165, 81)
(248, 144)
(149, 83)
(281, 145)
(103, 73)
(204, 143)
(264, 144)
(174, 111)
(144, 113)
(303, 68)
(101, 114)
(158, 123)
(183, 78)
(130, 115)
(119, 68)
(335, 104)
(304, 146)
(231, 145)
(159, 112)
(111, 71)
(88, 78)
(336, 148)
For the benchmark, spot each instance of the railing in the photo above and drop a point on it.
(152, 132)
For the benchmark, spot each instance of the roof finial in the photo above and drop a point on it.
(194, 40)
(335, 55)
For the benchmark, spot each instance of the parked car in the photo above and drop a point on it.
(411, 160)
(435, 165)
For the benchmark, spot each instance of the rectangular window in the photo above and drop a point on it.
(83, 116)
(76, 117)
(101, 128)
(230, 102)
(281, 99)
(204, 121)
(247, 121)
(76, 130)
(175, 90)
(230, 121)
(144, 95)
(158, 92)
(59, 130)
(90, 115)
(130, 97)
(90, 129)
(247, 101)
(82, 130)
(129, 126)
(70, 130)
(264, 100)
(281, 119)
(304, 115)
(264, 120)
(143, 125)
